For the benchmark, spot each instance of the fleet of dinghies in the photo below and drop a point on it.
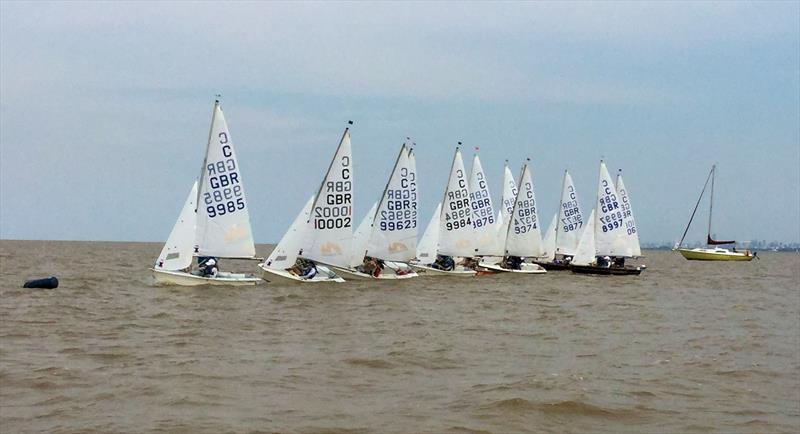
(468, 234)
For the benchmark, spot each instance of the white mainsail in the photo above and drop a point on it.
(455, 220)
(586, 252)
(610, 228)
(549, 241)
(223, 221)
(570, 223)
(285, 253)
(484, 221)
(177, 251)
(393, 234)
(426, 248)
(631, 237)
(524, 236)
(361, 237)
(330, 222)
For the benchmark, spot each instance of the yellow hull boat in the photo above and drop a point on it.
(716, 254)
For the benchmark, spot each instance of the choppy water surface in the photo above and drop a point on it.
(685, 347)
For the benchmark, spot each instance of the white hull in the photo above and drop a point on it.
(168, 277)
(525, 268)
(386, 274)
(427, 270)
(282, 276)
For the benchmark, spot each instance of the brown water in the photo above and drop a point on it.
(685, 347)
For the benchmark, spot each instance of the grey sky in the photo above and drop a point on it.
(105, 107)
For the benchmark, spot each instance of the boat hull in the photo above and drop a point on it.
(426, 270)
(549, 266)
(168, 277)
(615, 271)
(525, 268)
(324, 275)
(700, 254)
(386, 274)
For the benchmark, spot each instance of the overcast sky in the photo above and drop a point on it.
(105, 107)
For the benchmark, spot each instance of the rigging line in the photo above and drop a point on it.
(695, 206)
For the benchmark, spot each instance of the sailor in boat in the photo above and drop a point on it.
(469, 263)
(209, 268)
(370, 266)
(304, 269)
(618, 262)
(512, 262)
(444, 263)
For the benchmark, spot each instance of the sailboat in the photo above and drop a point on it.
(455, 232)
(279, 265)
(323, 231)
(219, 227)
(610, 236)
(563, 235)
(523, 236)
(387, 238)
(711, 252)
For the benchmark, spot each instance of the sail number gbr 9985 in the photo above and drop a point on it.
(335, 211)
(224, 194)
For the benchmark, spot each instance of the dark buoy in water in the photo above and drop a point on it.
(46, 283)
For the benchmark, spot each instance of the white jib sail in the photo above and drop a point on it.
(393, 234)
(524, 236)
(455, 221)
(223, 220)
(178, 250)
(483, 216)
(570, 222)
(426, 249)
(586, 252)
(632, 247)
(361, 237)
(610, 228)
(549, 241)
(289, 247)
(330, 223)
(505, 210)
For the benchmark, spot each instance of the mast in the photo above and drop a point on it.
(205, 155)
(695, 208)
(711, 202)
(388, 181)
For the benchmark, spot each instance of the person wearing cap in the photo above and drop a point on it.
(210, 268)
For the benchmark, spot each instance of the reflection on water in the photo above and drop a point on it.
(686, 346)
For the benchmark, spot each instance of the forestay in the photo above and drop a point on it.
(223, 220)
(285, 253)
(330, 223)
(570, 224)
(524, 236)
(610, 229)
(585, 253)
(393, 234)
(631, 236)
(426, 249)
(177, 252)
(455, 221)
(483, 215)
